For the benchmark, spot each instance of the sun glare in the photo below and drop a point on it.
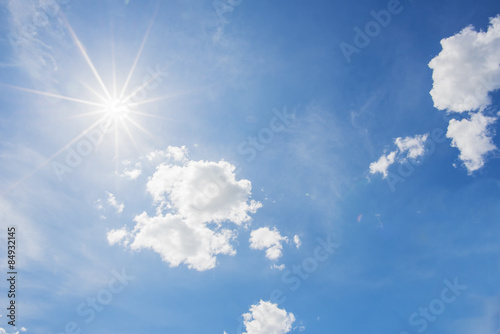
(116, 108)
(119, 108)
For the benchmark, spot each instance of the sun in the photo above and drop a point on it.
(116, 108)
(119, 108)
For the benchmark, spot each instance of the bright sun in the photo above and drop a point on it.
(117, 108)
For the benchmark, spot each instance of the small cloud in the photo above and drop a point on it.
(172, 153)
(408, 147)
(118, 236)
(297, 241)
(266, 238)
(132, 173)
(383, 164)
(280, 267)
(114, 203)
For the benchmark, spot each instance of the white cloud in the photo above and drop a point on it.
(132, 173)
(297, 241)
(267, 318)
(265, 238)
(465, 73)
(178, 242)
(189, 195)
(3, 331)
(467, 69)
(408, 147)
(473, 140)
(114, 203)
(278, 267)
(118, 236)
(173, 153)
(383, 163)
(203, 191)
(414, 146)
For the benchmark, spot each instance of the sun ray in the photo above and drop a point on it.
(140, 113)
(67, 98)
(48, 160)
(113, 108)
(113, 60)
(165, 97)
(129, 133)
(116, 146)
(138, 126)
(90, 113)
(138, 89)
(87, 58)
(144, 40)
(94, 92)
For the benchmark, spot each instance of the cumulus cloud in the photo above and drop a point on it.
(465, 73)
(383, 163)
(467, 69)
(412, 146)
(267, 318)
(198, 205)
(203, 191)
(408, 147)
(473, 139)
(270, 240)
(178, 242)
(118, 236)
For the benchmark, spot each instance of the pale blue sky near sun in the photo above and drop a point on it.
(223, 76)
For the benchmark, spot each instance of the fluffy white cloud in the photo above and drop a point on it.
(178, 242)
(190, 196)
(412, 146)
(473, 140)
(118, 236)
(203, 191)
(467, 69)
(383, 163)
(267, 318)
(265, 238)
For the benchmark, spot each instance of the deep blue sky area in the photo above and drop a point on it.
(228, 167)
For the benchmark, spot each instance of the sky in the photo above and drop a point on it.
(257, 167)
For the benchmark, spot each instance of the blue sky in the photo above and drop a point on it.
(226, 167)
